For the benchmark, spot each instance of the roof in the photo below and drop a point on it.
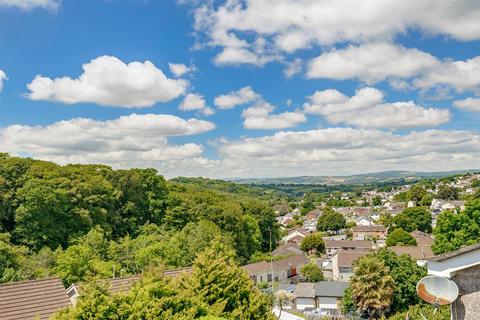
(423, 239)
(330, 288)
(346, 258)
(415, 252)
(287, 249)
(348, 244)
(448, 255)
(122, 284)
(369, 229)
(258, 267)
(305, 290)
(28, 299)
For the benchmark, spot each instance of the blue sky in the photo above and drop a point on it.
(366, 91)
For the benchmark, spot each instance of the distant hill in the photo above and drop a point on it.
(358, 179)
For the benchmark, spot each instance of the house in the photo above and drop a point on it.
(295, 235)
(369, 232)
(332, 246)
(287, 249)
(285, 270)
(342, 263)
(33, 298)
(423, 239)
(463, 267)
(324, 296)
(364, 221)
(411, 204)
(439, 205)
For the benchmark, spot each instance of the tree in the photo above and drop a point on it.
(372, 286)
(348, 304)
(423, 311)
(400, 237)
(282, 298)
(377, 200)
(416, 193)
(224, 287)
(447, 192)
(411, 219)
(331, 221)
(312, 272)
(405, 273)
(454, 230)
(313, 242)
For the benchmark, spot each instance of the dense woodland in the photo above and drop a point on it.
(78, 221)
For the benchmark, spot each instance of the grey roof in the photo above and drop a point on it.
(305, 290)
(333, 289)
(330, 288)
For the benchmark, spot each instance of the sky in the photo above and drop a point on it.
(242, 88)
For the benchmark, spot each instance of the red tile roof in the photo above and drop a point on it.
(28, 299)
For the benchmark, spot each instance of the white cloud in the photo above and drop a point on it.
(235, 98)
(108, 81)
(259, 116)
(125, 141)
(366, 109)
(31, 4)
(462, 75)
(290, 25)
(3, 77)
(179, 69)
(193, 101)
(371, 63)
(339, 151)
(293, 67)
(468, 104)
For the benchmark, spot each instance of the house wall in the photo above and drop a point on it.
(327, 303)
(467, 306)
(302, 303)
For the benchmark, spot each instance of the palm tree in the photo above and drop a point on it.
(372, 286)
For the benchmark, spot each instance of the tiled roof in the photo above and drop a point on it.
(305, 290)
(330, 288)
(423, 239)
(28, 299)
(415, 252)
(348, 244)
(346, 258)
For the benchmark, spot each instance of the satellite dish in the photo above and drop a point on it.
(438, 291)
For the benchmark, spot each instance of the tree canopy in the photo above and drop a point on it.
(331, 221)
(313, 243)
(416, 218)
(312, 272)
(400, 237)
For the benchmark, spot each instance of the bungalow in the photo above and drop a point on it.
(364, 221)
(32, 299)
(463, 267)
(342, 263)
(332, 246)
(324, 296)
(287, 249)
(285, 270)
(369, 232)
(415, 252)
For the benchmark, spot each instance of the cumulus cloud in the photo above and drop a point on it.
(109, 81)
(371, 63)
(293, 67)
(367, 109)
(193, 101)
(235, 98)
(346, 151)
(179, 69)
(3, 77)
(124, 141)
(31, 4)
(259, 116)
(289, 25)
(468, 104)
